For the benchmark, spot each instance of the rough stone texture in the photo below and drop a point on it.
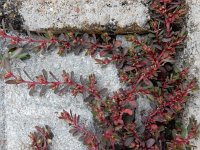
(191, 56)
(23, 112)
(118, 16)
(3, 48)
(2, 118)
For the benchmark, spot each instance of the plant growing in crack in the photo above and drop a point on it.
(147, 68)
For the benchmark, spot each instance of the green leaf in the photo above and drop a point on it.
(47, 35)
(108, 55)
(184, 132)
(1, 56)
(159, 91)
(150, 97)
(24, 56)
(76, 34)
(137, 48)
(151, 35)
(161, 32)
(15, 52)
(3, 25)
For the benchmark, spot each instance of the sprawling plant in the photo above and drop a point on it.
(147, 68)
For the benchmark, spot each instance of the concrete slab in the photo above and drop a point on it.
(192, 56)
(2, 118)
(118, 16)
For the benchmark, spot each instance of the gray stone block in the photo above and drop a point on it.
(119, 16)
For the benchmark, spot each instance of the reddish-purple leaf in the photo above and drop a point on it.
(28, 75)
(89, 98)
(128, 141)
(71, 115)
(76, 133)
(73, 130)
(53, 76)
(93, 38)
(12, 29)
(56, 90)
(133, 103)
(77, 50)
(61, 37)
(1, 76)
(117, 43)
(78, 119)
(148, 82)
(166, 40)
(83, 82)
(85, 37)
(63, 90)
(32, 91)
(159, 118)
(141, 129)
(72, 75)
(43, 90)
(6, 64)
(125, 51)
(103, 92)
(157, 46)
(128, 68)
(45, 74)
(51, 47)
(81, 138)
(120, 64)
(127, 111)
(150, 142)
(102, 53)
(12, 82)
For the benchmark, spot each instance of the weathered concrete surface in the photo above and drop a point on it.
(118, 16)
(3, 140)
(2, 118)
(23, 112)
(192, 56)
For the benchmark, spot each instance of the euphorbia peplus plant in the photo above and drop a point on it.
(147, 68)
